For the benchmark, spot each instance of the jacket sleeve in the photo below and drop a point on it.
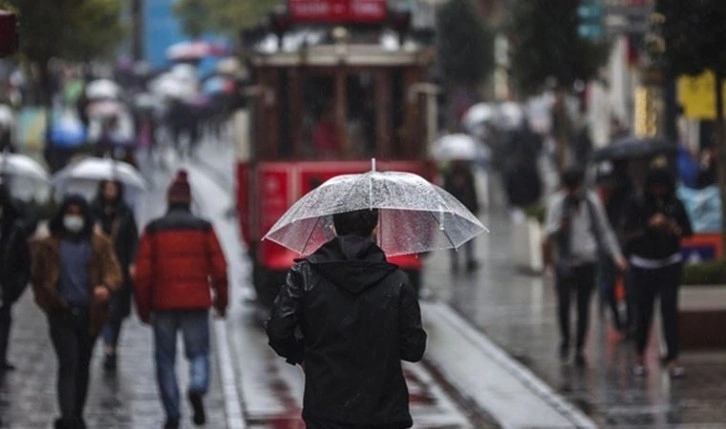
(413, 337)
(610, 242)
(285, 319)
(218, 271)
(111, 269)
(39, 268)
(554, 216)
(142, 280)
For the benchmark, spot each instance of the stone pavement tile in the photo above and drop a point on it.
(127, 400)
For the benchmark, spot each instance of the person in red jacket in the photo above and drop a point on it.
(179, 263)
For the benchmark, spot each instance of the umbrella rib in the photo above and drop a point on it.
(445, 234)
(307, 240)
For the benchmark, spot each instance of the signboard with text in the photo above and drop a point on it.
(338, 11)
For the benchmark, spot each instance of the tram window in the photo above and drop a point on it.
(321, 134)
(361, 120)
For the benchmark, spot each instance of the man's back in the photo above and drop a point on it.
(359, 318)
(177, 255)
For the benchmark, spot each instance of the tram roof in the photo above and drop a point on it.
(314, 48)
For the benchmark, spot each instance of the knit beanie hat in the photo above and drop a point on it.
(179, 190)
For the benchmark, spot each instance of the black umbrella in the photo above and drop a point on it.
(634, 148)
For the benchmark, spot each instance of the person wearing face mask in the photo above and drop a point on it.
(74, 274)
(117, 221)
(14, 268)
(654, 224)
(578, 226)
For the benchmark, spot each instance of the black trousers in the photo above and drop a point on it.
(6, 321)
(648, 285)
(579, 281)
(73, 346)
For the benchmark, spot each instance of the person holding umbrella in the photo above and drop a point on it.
(74, 274)
(655, 222)
(359, 317)
(117, 221)
(345, 314)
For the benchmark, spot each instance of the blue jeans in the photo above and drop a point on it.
(194, 326)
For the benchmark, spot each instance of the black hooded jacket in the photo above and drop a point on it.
(14, 252)
(351, 317)
(655, 243)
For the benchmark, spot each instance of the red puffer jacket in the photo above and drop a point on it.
(178, 261)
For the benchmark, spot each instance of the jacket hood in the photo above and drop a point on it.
(351, 262)
(56, 223)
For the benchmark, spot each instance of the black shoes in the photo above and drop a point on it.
(109, 363)
(199, 417)
(171, 424)
(6, 367)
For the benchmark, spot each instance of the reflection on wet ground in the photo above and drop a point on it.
(517, 311)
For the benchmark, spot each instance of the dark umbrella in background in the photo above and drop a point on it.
(630, 148)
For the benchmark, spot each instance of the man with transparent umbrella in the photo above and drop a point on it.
(345, 314)
(359, 317)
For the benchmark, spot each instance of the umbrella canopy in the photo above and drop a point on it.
(415, 216)
(105, 109)
(218, 85)
(22, 166)
(103, 88)
(97, 169)
(195, 50)
(634, 148)
(67, 131)
(479, 114)
(457, 147)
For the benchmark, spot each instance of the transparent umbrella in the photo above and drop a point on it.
(22, 166)
(97, 169)
(415, 216)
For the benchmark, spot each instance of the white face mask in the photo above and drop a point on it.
(73, 223)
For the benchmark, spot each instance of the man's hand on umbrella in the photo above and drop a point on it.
(621, 263)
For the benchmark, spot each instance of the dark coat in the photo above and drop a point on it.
(459, 182)
(14, 260)
(358, 317)
(652, 243)
(120, 226)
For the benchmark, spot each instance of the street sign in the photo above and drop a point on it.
(589, 13)
(338, 11)
(623, 17)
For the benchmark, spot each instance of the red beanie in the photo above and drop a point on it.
(179, 190)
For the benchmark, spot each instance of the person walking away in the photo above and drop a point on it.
(655, 223)
(348, 317)
(74, 274)
(14, 269)
(577, 224)
(117, 221)
(459, 182)
(179, 258)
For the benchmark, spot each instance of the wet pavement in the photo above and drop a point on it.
(517, 312)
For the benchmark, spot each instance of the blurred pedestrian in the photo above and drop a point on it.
(348, 317)
(74, 275)
(617, 191)
(14, 268)
(577, 224)
(522, 179)
(179, 258)
(655, 222)
(459, 181)
(116, 219)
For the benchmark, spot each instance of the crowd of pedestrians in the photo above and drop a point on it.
(636, 236)
(90, 265)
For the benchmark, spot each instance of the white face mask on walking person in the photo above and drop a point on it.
(73, 223)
